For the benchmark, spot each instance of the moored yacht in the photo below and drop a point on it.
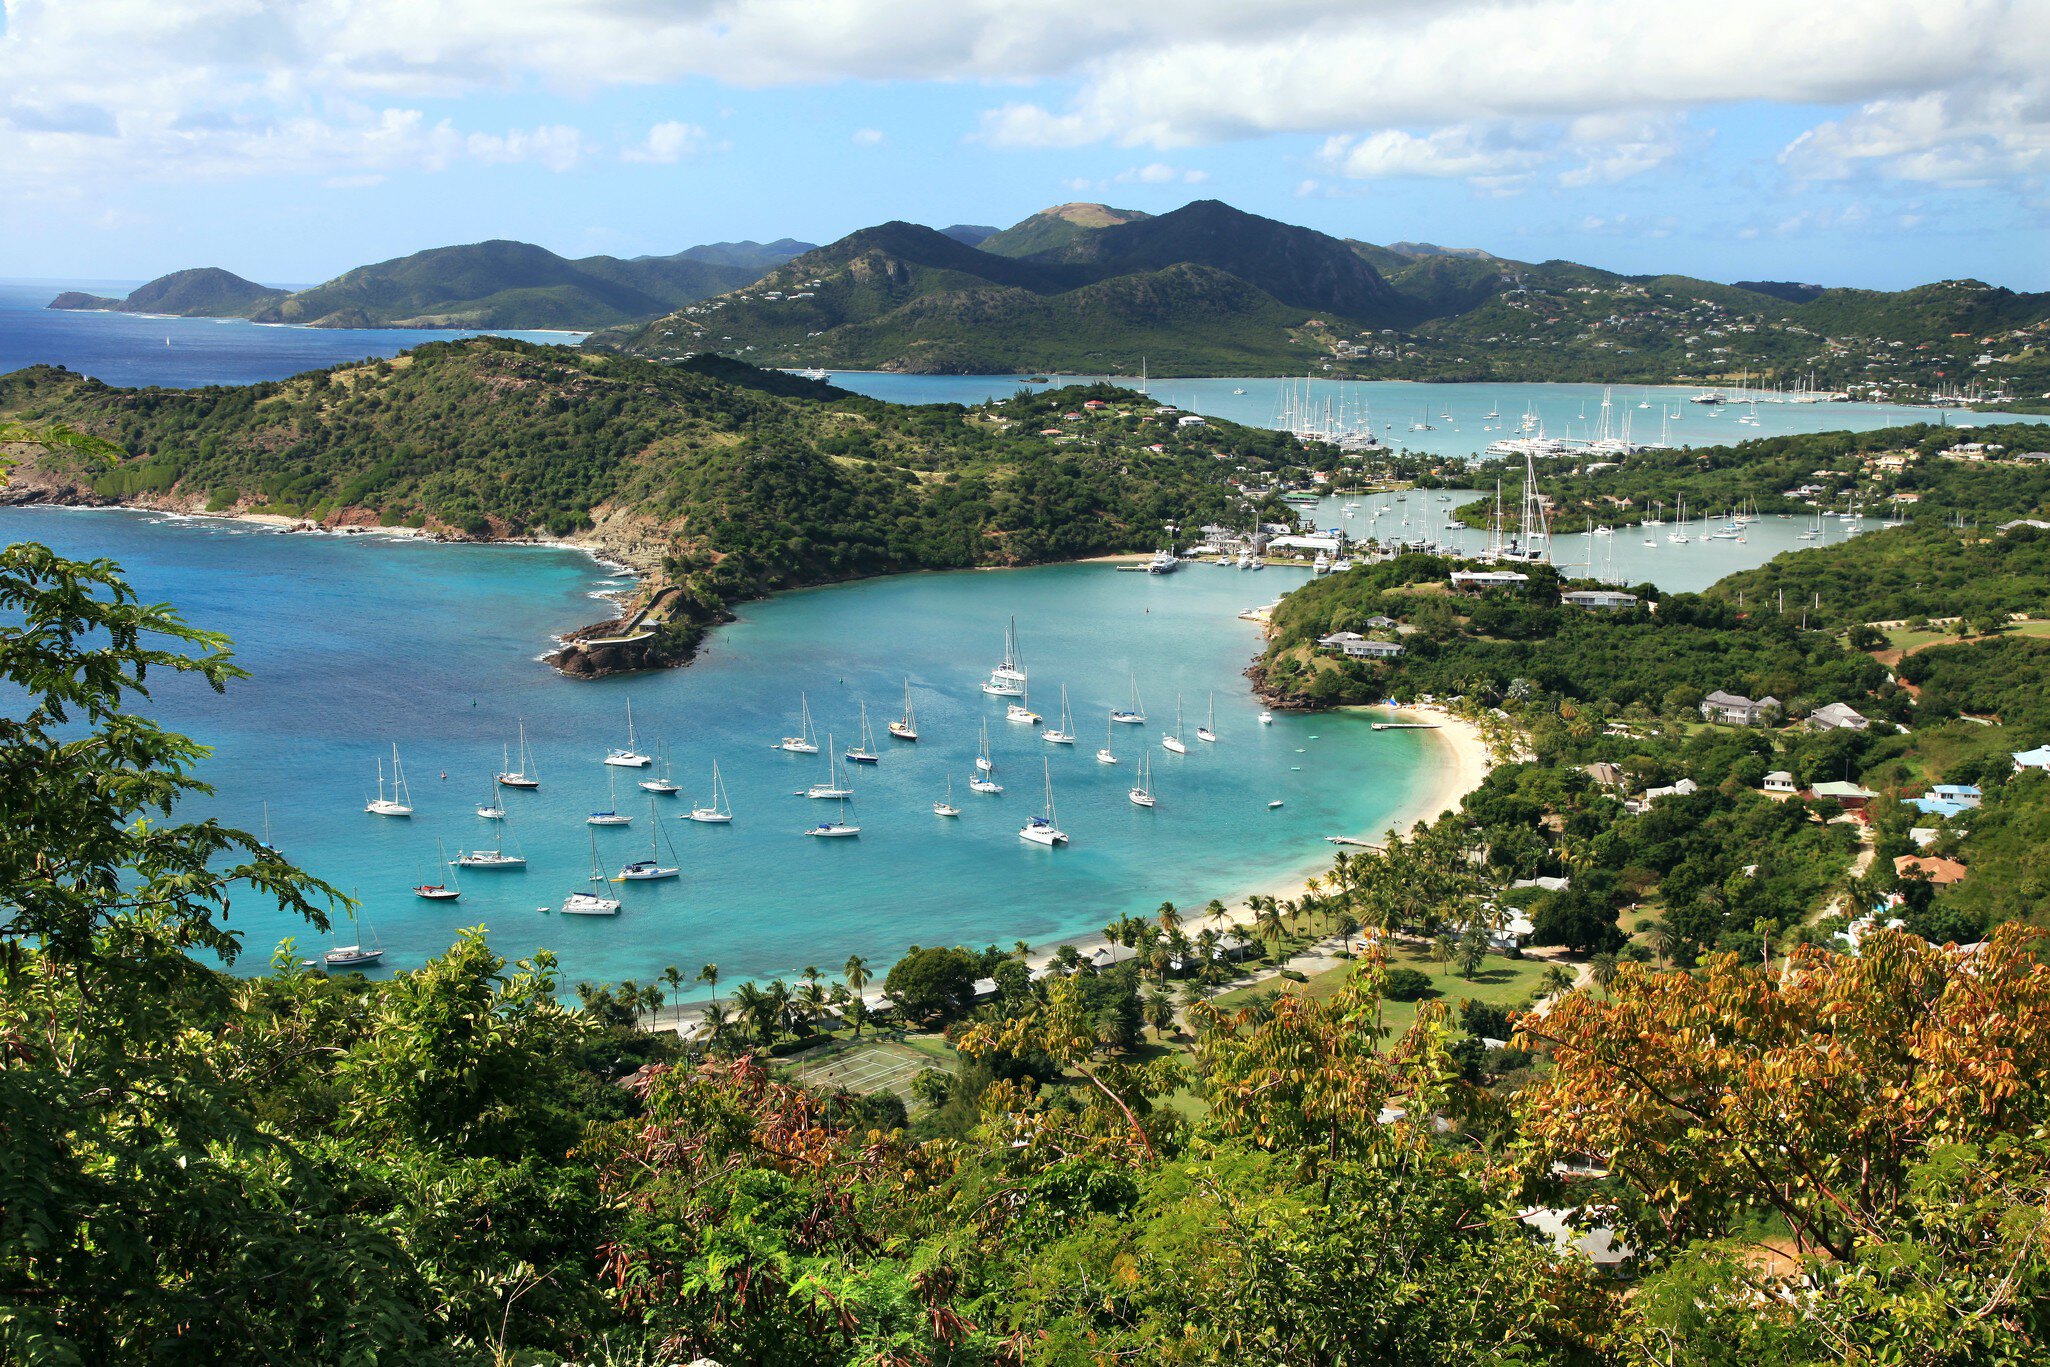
(1007, 680)
(1044, 829)
(400, 803)
(625, 756)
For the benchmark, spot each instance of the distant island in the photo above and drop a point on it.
(482, 285)
(1207, 289)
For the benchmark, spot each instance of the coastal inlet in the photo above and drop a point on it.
(444, 666)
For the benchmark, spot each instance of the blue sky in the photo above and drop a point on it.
(1883, 143)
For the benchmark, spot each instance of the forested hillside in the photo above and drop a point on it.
(722, 482)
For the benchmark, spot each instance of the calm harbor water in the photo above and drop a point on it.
(444, 666)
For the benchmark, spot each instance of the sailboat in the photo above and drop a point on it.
(1064, 734)
(1007, 680)
(1042, 830)
(945, 806)
(832, 786)
(1173, 740)
(438, 892)
(358, 955)
(981, 781)
(1021, 710)
(866, 752)
(1204, 731)
(806, 741)
(1106, 755)
(611, 815)
(626, 757)
(662, 783)
(489, 859)
(265, 843)
(1134, 715)
(591, 903)
(400, 803)
(720, 812)
(524, 776)
(1142, 791)
(649, 869)
(491, 808)
(1678, 536)
(838, 827)
(906, 726)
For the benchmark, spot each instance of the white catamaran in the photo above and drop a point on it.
(1007, 680)
(626, 757)
(806, 741)
(1172, 742)
(1142, 791)
(611, 816)
(834, 786)
(720, 811)
(1106, 755)
(400, 803)
(1064, 734)
(1135, 715)
(591, 903)
(651, 868)
(1044, 830)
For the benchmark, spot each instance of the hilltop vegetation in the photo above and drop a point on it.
(721, 481)
(1258, 295)
(493, 284)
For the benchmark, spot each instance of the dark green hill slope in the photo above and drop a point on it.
(721, 482)
(205, 292)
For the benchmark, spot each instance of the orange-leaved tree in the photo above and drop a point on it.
(1817, 1089)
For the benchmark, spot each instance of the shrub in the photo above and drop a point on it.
(1408, 985)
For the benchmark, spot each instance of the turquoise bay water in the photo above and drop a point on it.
(355, 642)
(1392, 406)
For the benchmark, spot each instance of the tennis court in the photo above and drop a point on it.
(870, 1065)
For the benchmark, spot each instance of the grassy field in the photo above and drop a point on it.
(871, 1064)
(1500, 981)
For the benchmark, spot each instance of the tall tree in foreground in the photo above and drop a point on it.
(144, 1215)
(1888, 1107)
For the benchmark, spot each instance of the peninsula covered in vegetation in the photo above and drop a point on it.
(716, 481)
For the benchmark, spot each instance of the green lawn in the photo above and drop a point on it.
(1500, 982)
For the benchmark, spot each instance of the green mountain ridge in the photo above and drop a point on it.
(495, 284)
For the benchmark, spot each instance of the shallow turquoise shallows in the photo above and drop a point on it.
(356, 642)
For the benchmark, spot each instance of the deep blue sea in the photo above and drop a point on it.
(354, 643)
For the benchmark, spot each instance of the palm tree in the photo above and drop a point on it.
(1170, 919)
(1114, 935)
(1267, 919)
(673, 976)
(1021, 951)
(1602, 967)
(1067, 958)
(1473, 949)
(1159, 1013)
(779, 1009)
(1556, 981)
(1312, 895)
(1216, 911)
(716, 1021)
(812, 1001)
(751, 1004)
(855, 972)
(1444, 946)
(709, 975)
(1663, 941)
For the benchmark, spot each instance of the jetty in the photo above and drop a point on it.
(1407, 725)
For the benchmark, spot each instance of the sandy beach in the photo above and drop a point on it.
(1457, 762)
